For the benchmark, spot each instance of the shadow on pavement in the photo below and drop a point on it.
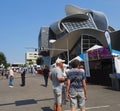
(46, 109)
(27, 102)
(43, 85)
(6, 104)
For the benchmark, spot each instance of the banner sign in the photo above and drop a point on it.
(101, 53)
(107, 35)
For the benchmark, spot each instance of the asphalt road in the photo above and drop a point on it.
(35, 97)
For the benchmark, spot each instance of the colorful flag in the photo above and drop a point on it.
(107, 35)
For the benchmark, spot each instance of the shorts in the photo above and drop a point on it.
(57, 96)
(77, 99)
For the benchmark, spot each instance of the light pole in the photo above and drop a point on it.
(51, 41)
(68, 52)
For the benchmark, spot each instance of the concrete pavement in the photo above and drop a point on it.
(35, 97)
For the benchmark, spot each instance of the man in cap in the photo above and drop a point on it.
(57, 79)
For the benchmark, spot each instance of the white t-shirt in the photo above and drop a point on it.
(11, 72)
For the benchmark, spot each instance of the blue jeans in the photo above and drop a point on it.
(46, 80)
(11, 81)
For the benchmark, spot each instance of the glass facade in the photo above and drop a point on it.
(85, 42)
(76, 24)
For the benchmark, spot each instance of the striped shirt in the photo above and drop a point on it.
(76, 77)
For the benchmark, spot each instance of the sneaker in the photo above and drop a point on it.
(22, 85)
(11, 86)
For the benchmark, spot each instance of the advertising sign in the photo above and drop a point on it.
(101, 53)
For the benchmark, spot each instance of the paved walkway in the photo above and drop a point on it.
(35, 97)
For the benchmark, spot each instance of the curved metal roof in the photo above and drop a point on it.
(99, 18)
(71, 10)
(57, 27)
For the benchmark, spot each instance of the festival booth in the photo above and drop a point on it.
(100, 65)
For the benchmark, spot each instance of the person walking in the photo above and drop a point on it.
(76, 87)
(23, 76)
(6, 73)
(11, 78)
(81, 67)
(57, 79)
(46, 74)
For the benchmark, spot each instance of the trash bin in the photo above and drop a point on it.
(115, 82)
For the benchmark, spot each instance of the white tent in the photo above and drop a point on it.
(94, 47)
(78, 58)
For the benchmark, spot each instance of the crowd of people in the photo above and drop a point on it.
(67, 85)
(22, 71)
(9, 74)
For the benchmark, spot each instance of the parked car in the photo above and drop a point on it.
(39, 70)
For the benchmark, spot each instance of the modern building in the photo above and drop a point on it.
(31, 57)
(77, 32)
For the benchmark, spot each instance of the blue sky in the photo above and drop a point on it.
(21, 20)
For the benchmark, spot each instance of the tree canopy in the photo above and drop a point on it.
(3, 59)
(39, 61)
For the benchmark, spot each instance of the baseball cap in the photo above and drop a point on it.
(59, 60)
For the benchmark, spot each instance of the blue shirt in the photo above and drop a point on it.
(56, 73)
(76, 77)
(22, 70)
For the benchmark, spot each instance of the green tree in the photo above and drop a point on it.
(3, 59)
(31, 63)
(39, 61)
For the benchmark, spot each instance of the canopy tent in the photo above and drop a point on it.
(94, 47)
(115, 52)
(78, 58)
(82, 56)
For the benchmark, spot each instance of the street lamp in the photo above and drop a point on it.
(51, 41)
(68, 51)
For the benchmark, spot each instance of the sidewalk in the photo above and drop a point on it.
(35, 97)
(18, 75)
